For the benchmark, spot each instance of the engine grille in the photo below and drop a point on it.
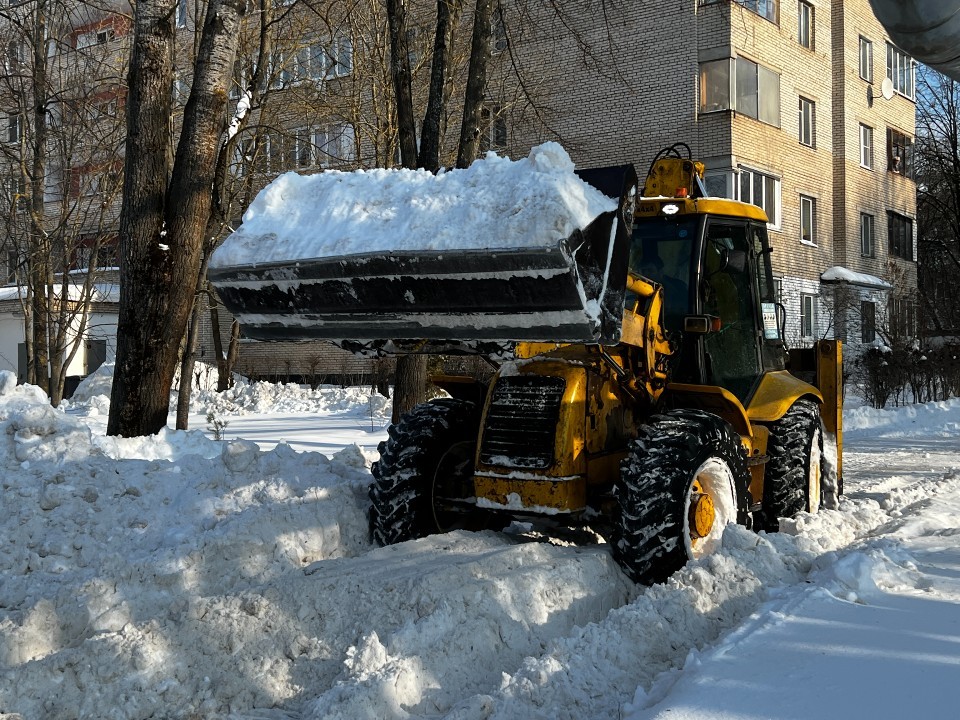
(522, 422)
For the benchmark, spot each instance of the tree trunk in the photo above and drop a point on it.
(162, 228)
(476, 83)
(225, 380)
(41, 274)
(400, 71)
(187, 363)
(410, 384)
(411, 373)
(429, 157)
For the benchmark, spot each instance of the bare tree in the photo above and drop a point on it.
(166, 205)
(62, 86)
(937, 155)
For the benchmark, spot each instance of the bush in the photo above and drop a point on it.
(885, 375)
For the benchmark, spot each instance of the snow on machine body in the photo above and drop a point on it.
(645, 395)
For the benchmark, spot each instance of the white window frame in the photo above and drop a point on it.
(335, 144)
(901, 71)
(805, 24)
(808, 316)
(807, 119)
(868, 235)
(808, 219)
(866, 59)
(758, 185)
(866, 146)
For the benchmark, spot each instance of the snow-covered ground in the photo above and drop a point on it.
(183, 577)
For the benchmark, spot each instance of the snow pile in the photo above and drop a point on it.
(495, 203)
(263, 397)
(935, 418)
(838, 273)
(223, 581)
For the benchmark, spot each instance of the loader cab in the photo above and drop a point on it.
(718, 265)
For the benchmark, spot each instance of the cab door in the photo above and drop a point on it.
(728, 291)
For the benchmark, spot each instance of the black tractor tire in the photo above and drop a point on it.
(429, 452)
(678, 457)
(792, 479)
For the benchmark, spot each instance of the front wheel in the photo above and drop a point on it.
(683, 481)
(793, 477)
(425, 470)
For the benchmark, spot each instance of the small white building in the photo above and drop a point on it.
(98, 343)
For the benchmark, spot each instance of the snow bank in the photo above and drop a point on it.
(221, 581)
(495, 203)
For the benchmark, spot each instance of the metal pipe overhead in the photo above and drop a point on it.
(927, 30)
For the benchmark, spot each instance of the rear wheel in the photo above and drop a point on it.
(794, 473)
(425, 468)
(685, 478)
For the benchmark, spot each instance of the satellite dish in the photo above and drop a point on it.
(886, 88)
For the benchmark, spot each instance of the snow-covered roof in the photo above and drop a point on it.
(840, 274)
(102, 292)
(495, 203)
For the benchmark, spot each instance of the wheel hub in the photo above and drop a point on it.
(702, 515)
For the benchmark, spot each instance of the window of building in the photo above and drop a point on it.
(761, 190)
(807, 119)
(808, 320)
(14, 129)
(757, 91)
(808, 220)
(14, 188)
(769, 9)
(340, 57)
(499, 30)
(715, 85)
(903, 318)
(900, 236)
(868, 321)
(741, 85)
(13, 265)
(100, 36)
(278, 71)
(866, 59)
(899, 153)
(900, 71)
(493, 134)
(805, 28)
(868, 247)
(14, 56)
(181, 13)
(866, 146)
(335, 144)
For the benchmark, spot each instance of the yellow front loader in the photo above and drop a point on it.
(642, 387)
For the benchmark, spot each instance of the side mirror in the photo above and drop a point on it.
(701, 324)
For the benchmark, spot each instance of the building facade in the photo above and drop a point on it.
(802, 107)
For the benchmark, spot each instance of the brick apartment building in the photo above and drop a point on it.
(783, 100)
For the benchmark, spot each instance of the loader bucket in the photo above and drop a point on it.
(571, 292)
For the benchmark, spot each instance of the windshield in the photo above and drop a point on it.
(662, 250)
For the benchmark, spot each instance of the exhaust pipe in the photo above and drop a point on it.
(927, 30)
